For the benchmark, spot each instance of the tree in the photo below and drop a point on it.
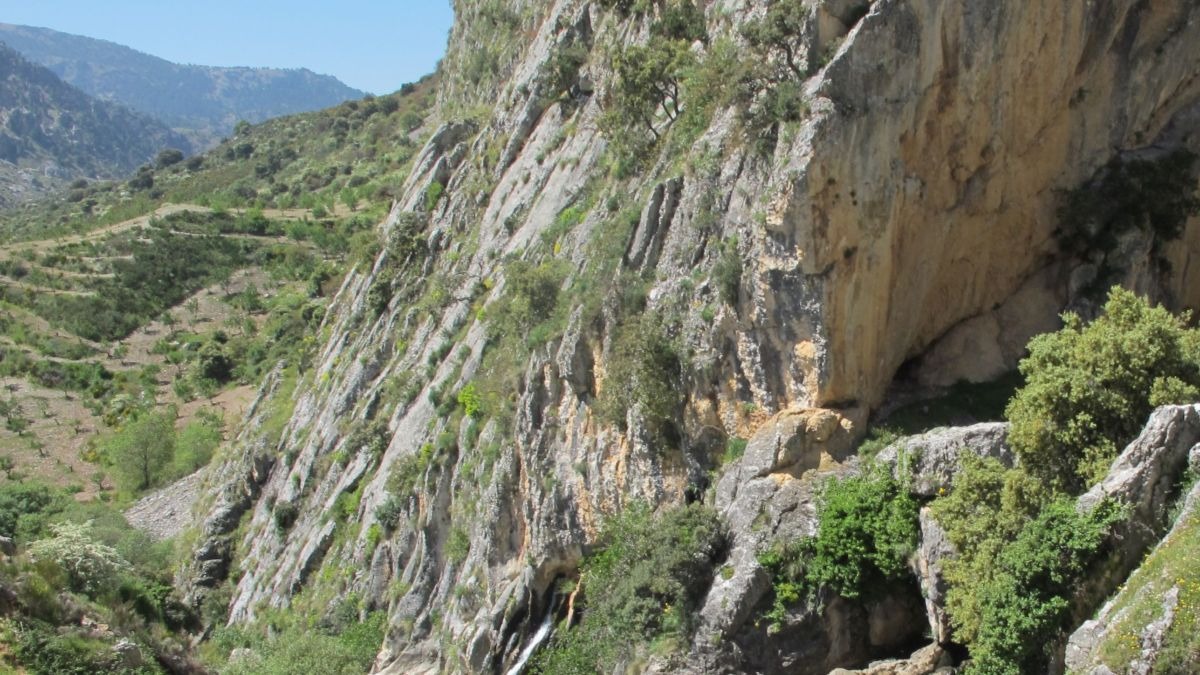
(141, 451)
(648, 81)
(1090, 388)
(196, 442)
(778, 31)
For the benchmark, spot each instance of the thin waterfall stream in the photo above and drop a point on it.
(542, 634)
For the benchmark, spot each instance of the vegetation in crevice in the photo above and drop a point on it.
(867, 528)
(641, 588)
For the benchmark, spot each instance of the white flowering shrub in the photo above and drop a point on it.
(90, 564)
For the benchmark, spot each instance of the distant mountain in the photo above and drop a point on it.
(51, 133)
(201, 102)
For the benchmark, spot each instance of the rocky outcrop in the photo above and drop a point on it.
(927, 198)
(928, 660)
(1144, 478)
(917, 197)
(1145, 607)
(769, 497)
(935, 456)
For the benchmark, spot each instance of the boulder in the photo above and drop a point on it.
(934, 456)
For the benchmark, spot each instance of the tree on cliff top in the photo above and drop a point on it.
(1090, 388)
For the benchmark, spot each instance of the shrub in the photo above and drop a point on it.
(680, 20)
(388, 512)
(285, 514)
(168, 157)
(90, 565)
(644, 582)
(1026, 597)
(727, 273)
(433, 194)
(867, 528)
(528, 310)
(469, 400)
(1090, 388)
(25, 508)
(645, 371)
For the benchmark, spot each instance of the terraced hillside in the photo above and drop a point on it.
(177, 289)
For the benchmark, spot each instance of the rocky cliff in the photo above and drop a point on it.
(907, 218)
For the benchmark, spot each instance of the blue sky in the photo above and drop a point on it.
(374, 45)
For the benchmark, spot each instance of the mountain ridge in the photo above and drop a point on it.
(203, 102)
(52, 133)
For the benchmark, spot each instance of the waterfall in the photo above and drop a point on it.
(543, 632)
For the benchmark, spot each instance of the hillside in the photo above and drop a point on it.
(794, 337)
(201, 102)
(685, 255)
(52, 133)
(109, 292)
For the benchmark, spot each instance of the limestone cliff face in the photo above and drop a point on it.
(910, 214)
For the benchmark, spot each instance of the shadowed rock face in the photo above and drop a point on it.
(918, 195)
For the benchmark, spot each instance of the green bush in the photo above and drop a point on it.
(1022, 550)
(1090, 388)
(294, 645)
(645, 371)
(867, 528)
(644, 583)
(727, 273)
(528, 310)
(25, 509)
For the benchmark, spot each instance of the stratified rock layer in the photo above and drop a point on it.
(911, 213)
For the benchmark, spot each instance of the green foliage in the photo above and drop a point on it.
(727, 273)
(1024, 596)
(288, 643)
(772, 89)
(165, 268)
(1022, 549)
(25, 509)
(141, 452)
(778, 33)
(680, 20)
(42, 651)
(470, 400)
(285, 514)
(1171, 565)
(562, 70)
(643, 583)
(458, 544)
(433, 194)
(645, 371)
(528, 310)
(735, 447)
(196, 443)
(389, 511)
(867, 529)
(1091, 388)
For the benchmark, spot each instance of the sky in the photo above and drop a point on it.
(373, 45)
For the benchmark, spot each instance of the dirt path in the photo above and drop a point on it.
(41, 245)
